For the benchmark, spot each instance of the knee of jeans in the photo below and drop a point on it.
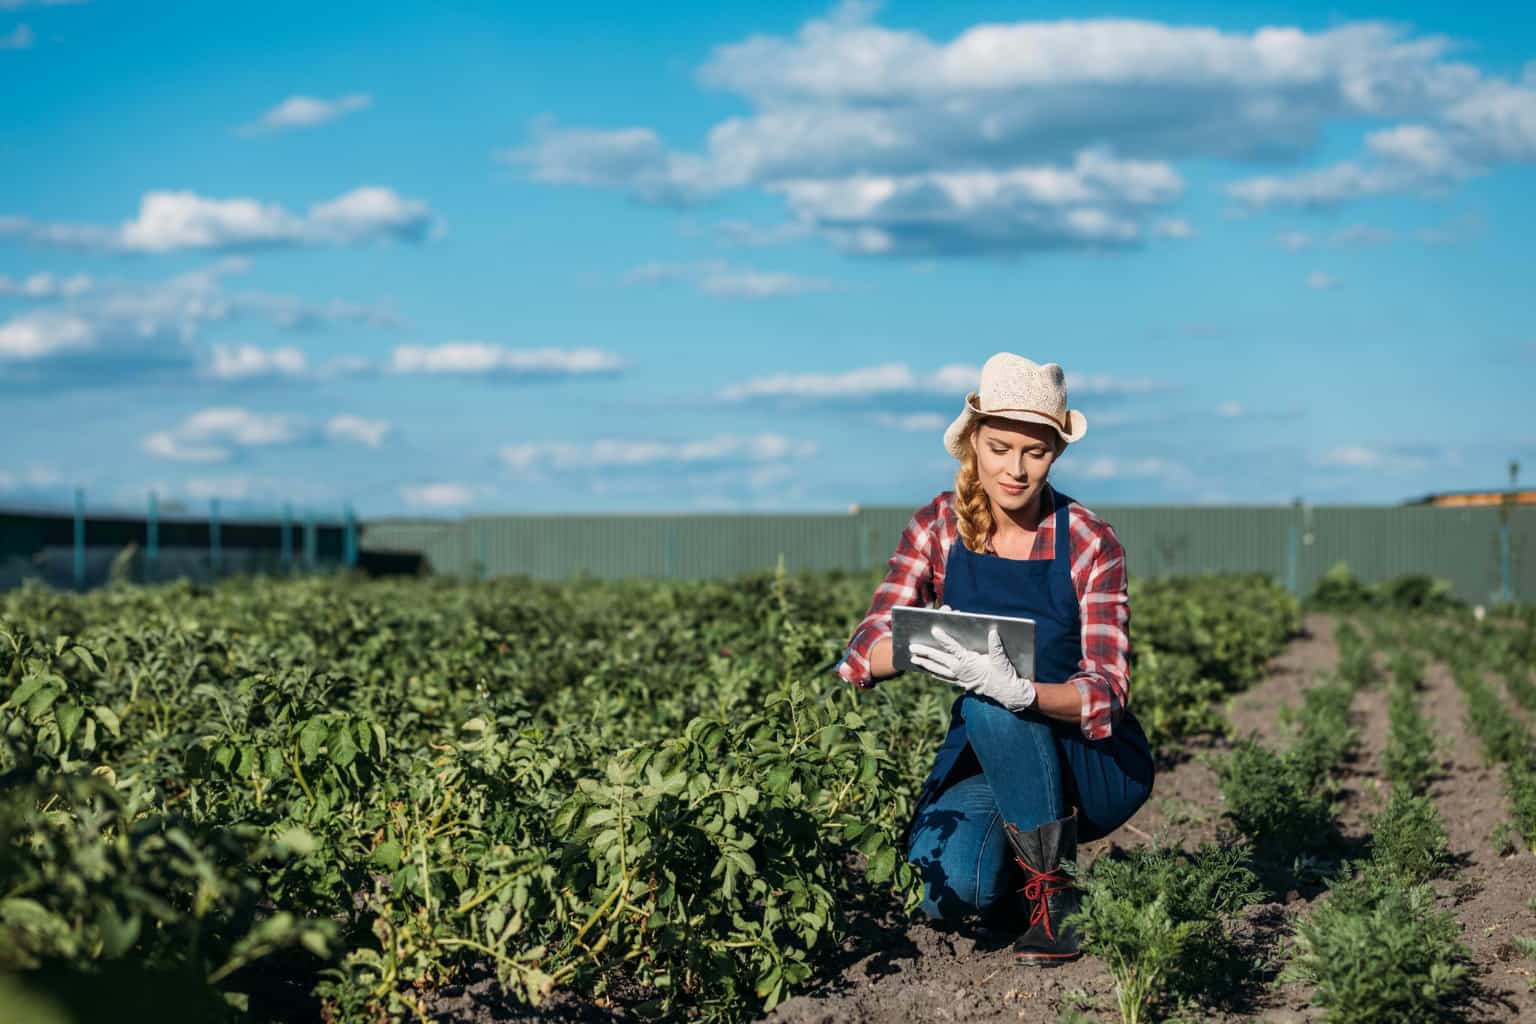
(981, 715)
(948, 897)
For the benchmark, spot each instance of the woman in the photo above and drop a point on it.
(1029, 766)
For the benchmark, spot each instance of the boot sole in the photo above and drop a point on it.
(1045, 959)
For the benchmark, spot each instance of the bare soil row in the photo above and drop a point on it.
(899, 970)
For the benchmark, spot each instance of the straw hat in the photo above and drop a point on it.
(1015, 388)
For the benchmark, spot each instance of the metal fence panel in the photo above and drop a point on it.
(1294, 544)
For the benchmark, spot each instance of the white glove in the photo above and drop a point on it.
(990, 675)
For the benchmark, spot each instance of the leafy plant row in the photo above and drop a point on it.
(1164, 920)
(1377, 947)
(334, 797)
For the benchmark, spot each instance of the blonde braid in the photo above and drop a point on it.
(971, 501)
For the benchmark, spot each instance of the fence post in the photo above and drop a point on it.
(285, 539)
(481, 570)
(669, 553)
(1293, 550)
(1506, 587)
(79, 538)
(152, 540)
(349, 552)
(213, 536)
(311, 540)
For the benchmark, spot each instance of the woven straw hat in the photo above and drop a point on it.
(1016, 388)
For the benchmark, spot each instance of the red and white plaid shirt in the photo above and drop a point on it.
(916, 577)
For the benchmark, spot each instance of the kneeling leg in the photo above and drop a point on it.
(960, 852)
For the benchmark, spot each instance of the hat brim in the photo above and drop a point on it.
(954, 435)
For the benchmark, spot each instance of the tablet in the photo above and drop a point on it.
(910, 624)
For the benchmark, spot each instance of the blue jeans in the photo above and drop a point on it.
(1027, 769)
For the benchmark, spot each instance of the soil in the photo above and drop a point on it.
(895, 969)
(932, 974)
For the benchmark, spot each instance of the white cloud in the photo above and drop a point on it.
(1173, 227)
(1108, 467)
(901, 379)
(888, 141)
(40, 335)
(19, 5)
(1320, 281)
(347, 427)
(1230, 410)
(1098, 201)
(481, 357)
(172, 221)
(308, 111)
(214, 434)
(235, 487)
(746, 235)
(19, 38)
(715, 277)
(242, 362)
(1293, 240)
(115, 329)
(45, 286)
(219, 433)
(1361, 235)
(613, 453)
(1388, 458)
(1351, 456)
(913, 421)
(437, 495)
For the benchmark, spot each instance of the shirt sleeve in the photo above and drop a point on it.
(908, 581)
(1104, 680)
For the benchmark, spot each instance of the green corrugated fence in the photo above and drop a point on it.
(1294, 544)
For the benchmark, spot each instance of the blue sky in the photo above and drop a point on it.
(477, 258)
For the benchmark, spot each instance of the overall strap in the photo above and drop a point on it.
(1063, 525)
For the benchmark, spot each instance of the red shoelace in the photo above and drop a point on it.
(1040, 887)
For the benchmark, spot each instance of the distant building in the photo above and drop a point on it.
(1459, 499)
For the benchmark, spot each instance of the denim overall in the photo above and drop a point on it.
(1106, 780)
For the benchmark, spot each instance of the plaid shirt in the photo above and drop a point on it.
(916, 577)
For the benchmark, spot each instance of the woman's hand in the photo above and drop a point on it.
(990, 675)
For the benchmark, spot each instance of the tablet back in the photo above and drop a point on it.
(969, 628)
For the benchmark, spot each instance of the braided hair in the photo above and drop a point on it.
(971, 501)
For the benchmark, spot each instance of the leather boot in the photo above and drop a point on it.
(1048, 895)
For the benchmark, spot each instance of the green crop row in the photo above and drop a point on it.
(334, 797)
(1377, 948)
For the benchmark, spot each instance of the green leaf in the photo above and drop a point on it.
(387, 854)
(107, 717)
(29, 686)
(311, 738)
(68, 716)
(881, 865)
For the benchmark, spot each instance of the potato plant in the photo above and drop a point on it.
(331, 797)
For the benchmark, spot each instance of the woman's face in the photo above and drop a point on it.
(1013, 460)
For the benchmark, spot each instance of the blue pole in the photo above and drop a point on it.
(152, 539)
(311, 542)
(350, 538)
(79, 538)
(285, 542)
(213, 536)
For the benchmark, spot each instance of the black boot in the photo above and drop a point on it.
(1048, 894)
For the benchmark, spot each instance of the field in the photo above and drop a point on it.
(349, 800)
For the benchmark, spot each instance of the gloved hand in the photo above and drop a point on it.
(990, 675)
